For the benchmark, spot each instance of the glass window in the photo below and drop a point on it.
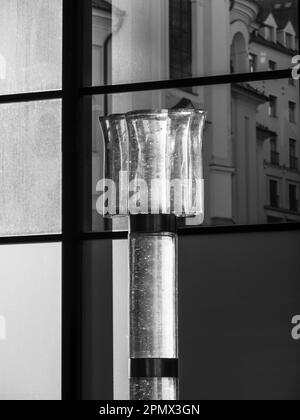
(293, 154)
(272, 106)
(30, 322)
(272, 65)
(289, 41)
(270, 33)
(237, 165)
(259, 360)
(30, 45)
(292, 113)
(274, 196)
(293, 198)
(142, 40)
(180, 39)
(30, 168)
(274, 152)
(252, 62)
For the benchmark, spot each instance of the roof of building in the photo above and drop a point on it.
(250, 90)
(284, 11)
(275, 45)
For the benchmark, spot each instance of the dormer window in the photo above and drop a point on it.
(289, 41)
(270, 33)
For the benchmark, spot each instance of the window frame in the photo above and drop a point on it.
(76, 89)
(292, 112)
(273, 106)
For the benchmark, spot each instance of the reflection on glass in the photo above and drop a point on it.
(30, 45)
(153, 163)
(30, 322)
(115, 134)
(30, 168)
(244, 148)
(142, 40)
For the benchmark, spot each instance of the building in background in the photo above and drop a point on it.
(252, 135)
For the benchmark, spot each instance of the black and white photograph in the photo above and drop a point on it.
(149, 203)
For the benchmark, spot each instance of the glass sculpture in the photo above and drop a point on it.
(154, 175)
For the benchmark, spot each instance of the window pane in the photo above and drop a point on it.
(256, 296)
(30, 45)
(142, 40)
(98, 343)
(30, 168)
(30, 322)
(239, 155)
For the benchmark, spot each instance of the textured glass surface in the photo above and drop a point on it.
(115, 136)
(142, 40)
(155, 163)
(30, 314)
(30, 45)
(151, 389)
(30, 168)
(148, 155)
(153, 296)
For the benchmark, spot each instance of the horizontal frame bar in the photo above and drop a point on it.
(146, 86)
(31, 96)
(182, 83)
(30, 239)
(200, 230)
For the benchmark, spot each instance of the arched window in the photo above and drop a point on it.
(180, 39)
(239, 54)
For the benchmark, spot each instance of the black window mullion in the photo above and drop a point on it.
(30, 239)
(71, 255)
(30, 96)
(184, 83)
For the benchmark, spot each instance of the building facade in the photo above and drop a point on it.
(252, 135)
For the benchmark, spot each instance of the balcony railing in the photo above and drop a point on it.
(294, 163)
(275, 158)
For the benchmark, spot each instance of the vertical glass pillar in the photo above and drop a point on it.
(153, 308)
(160, 153)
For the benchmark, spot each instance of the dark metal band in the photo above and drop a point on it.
(154, 368)
(153, 223)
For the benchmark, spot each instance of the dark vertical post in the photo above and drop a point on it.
(71, 311)
(86, 118)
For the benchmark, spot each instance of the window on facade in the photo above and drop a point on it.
(253, 63)
(180, 39)
(272, 65)
(274, 196)
(270, 33)
(289, 41)
(293, 198)
(273, 106)
(292, 112)
(145, 40)
(293, 154)
(274, 151)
